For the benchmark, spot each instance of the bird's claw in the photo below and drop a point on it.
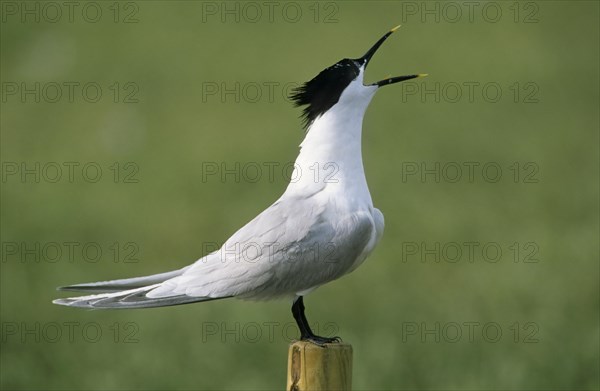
(321, 341)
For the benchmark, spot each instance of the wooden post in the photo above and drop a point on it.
(319, 368)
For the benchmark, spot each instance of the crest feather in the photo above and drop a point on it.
(324, 90)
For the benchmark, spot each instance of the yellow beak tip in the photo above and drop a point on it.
(395, 28)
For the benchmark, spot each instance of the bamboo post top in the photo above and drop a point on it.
(319, 368)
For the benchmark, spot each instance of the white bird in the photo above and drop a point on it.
(322, 227)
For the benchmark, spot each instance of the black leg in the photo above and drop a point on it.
(306, 333)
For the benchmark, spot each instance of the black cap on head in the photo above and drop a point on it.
(324, 90)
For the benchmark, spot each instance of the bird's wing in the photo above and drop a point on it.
(292, 246)
(212, 274)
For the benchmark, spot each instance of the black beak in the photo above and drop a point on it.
(367, 57)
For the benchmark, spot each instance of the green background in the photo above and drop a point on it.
(547, 310)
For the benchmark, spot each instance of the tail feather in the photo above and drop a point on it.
(123, 284)
(131, 298)
(127, 293)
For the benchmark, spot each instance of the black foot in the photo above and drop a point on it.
(306, 333)
(321, 340)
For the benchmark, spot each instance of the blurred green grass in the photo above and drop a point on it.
(171, 212)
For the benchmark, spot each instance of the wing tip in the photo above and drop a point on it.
(86, 288)
(73, 302)
(128, 299)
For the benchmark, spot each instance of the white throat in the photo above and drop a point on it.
(330, 157)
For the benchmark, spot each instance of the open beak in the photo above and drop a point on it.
(364, 60)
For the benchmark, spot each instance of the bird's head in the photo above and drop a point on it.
(341, 81)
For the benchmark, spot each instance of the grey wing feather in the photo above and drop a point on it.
(123, 284)
(301, 249)
(133, 298)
